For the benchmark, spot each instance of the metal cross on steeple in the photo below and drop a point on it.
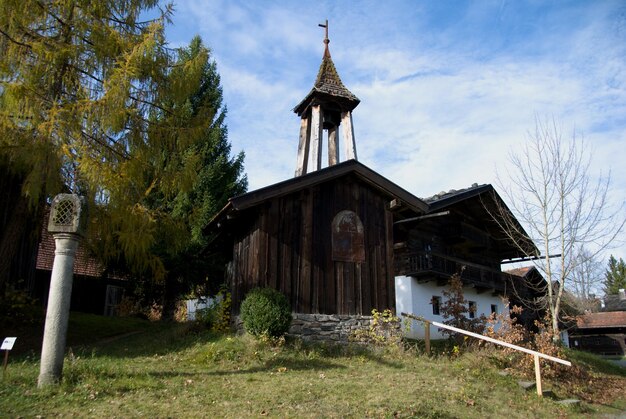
(326, 40)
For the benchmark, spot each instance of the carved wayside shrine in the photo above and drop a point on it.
(328, 105)
(67, 224)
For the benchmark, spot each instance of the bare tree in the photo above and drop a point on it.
(562, 208)
(585, 281)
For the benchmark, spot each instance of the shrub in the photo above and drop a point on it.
(455, 311)
(266, 311)
(505, 328)
(221, 322)
(384, 330)
(127, 307)
(216, 316)
(19, 308)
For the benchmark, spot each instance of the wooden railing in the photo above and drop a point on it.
(423, 263)
(536, 355)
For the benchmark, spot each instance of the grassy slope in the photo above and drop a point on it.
(169, 370)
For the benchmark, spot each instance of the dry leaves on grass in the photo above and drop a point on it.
(605, 390)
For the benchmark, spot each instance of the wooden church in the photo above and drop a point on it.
(326, 238)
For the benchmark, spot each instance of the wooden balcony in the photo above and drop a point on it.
(437, 267)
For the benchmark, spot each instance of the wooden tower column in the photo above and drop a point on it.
(327, 106)
(303, 146)
(317, 131)
(348, 136)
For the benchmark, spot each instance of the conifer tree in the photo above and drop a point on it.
(615, 276)
(219, 178)
(90, 103)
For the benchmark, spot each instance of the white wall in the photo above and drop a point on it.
(201, 303)
(415, 298)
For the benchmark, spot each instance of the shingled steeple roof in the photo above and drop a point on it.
(328, 87)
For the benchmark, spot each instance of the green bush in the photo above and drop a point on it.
(216, 317)
(19, 308)
(266, 312)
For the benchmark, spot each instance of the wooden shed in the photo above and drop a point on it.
(324, 239)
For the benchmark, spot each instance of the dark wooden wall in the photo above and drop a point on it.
(24, 240)
(285, 243)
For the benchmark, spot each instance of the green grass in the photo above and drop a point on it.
(176, 370)
(83, 329)
(596, 362)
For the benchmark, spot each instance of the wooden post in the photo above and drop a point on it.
(538, 376)
(427, 337)
(492, 340)
(303, 146)
(317, 130)
(348, 136)
(333, 150)
(7, 345)
(6, 361)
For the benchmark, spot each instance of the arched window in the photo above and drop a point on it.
(348, 241)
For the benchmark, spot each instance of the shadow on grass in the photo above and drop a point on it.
(96, 336)
(153, 339)
(278, 365)
(146, 343)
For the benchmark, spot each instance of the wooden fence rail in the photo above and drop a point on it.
(536, 355)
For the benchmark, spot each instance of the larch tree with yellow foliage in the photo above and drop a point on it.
(92, 101)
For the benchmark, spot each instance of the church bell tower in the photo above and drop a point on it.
(328, 105)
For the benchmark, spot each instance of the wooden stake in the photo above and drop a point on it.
(538, 376)
(6, 361)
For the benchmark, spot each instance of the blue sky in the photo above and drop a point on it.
(447, 88)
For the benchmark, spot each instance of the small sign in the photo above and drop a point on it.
(7, 344)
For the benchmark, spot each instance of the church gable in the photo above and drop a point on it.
(327, 246)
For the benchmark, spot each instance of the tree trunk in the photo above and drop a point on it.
(10, 241)
(171, 292)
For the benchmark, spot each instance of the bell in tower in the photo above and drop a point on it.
(328, 105)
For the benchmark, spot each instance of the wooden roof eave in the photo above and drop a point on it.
(461, 196)
(316, 96)
(251, 199)
(220, 216)
(477, 193)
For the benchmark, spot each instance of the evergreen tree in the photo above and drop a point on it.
(89, 101)
(219, 178)
(615, 276)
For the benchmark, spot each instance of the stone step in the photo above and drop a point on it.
(531, 385)
(569, 402)
(527, 385)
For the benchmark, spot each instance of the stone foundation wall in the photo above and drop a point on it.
(334, 328)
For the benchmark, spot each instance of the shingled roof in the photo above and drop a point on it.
(457, 193)
(85, 264)
(602, 319)
(328, 86)
(520, 271)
